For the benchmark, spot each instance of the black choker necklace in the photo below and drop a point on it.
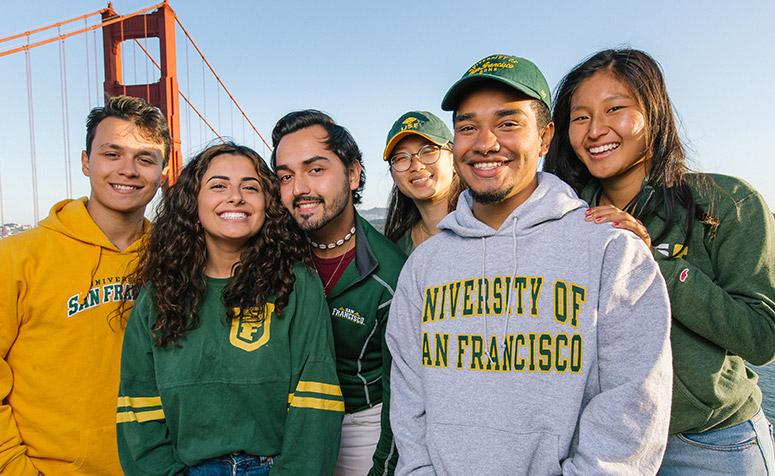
(329, 246)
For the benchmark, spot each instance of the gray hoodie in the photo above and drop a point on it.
(557, 362)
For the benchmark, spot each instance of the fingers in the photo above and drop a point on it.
(619, 219)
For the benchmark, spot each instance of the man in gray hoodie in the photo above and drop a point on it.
(525, 340)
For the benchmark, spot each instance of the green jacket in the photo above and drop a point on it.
(360, 303)
(266, 387)
(405, 243)
(722, 295)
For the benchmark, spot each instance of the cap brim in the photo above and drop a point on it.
(459, 89)
(439, 141)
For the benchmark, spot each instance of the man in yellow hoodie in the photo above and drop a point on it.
(60, 287)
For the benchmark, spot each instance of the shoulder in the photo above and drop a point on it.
(35, 241)
(388, 254)
(717, 187)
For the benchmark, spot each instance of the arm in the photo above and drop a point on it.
(313, 426)
(144, 442)
(735, 309)
(407, 415)
(13, 453)
(385, 455)
(623, 428)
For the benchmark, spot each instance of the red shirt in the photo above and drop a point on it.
(331, 269)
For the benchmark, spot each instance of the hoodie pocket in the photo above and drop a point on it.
(469, 449)
(688, 411)
(97, 452)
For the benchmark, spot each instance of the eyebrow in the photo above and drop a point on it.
(305, 163)
(223, 177)
(607, 98)
(117, 147)
(499, 113)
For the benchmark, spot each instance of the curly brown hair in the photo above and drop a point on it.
(174, 254)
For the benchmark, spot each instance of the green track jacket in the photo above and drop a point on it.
(359, 304)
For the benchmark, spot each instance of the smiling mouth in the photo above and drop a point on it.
(419, 180)
(603, 148)
(233, 216)
(487, 165)
(125, 187)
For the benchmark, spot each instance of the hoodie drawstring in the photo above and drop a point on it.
(505, 310)
(85, 295)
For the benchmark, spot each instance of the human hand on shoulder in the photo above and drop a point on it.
(619, 219)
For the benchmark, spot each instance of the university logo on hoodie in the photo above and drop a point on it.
(250, 330)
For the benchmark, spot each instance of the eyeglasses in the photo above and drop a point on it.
(428, 154)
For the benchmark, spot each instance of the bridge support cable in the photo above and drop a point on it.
(65, 119)
(31, 116)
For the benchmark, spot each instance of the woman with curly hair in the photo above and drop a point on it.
(617, 144)
(228, 362)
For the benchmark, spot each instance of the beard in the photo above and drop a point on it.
(490, 197)
(329, 212)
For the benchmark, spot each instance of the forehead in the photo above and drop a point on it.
(117, 131)
(300, 146)
(602, 85)
(232, 166)
(493, 102)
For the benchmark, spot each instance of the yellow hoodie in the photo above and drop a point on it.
(61, 354)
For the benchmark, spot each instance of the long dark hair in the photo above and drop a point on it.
(667, 158)
(174, 253)
(402, 213)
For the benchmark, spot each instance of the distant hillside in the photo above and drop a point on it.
(375, 216)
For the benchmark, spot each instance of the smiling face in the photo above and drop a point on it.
(608, 129)
(230, 202)
(124, 170)
(421, 181)
(315, 185)
(497, 146)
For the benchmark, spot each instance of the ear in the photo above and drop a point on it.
(354, 175)
(84, 163)
(546, 138)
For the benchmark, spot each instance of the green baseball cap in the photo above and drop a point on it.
(422, 123)
(519, 73)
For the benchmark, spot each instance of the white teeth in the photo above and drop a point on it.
(487, 165)
(603, 148)
(233, 216)
(307, 206)
(418, 180)
(125, 187)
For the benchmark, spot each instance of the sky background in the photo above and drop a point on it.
(366, 63)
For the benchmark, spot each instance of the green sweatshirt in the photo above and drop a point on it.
(405, 243)
(268, 387)
(722, 295)
(360, 303)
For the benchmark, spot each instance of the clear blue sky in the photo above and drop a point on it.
(366, 63)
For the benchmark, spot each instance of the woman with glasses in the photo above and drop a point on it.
(426, 187)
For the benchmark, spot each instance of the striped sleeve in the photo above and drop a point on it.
(144, 443)
(317, 395)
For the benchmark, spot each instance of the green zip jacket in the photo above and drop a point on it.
(405, 243)
(265, 386)
(722, 295)
(360, 303)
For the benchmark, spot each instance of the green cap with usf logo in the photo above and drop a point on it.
(519, 73)
(422, 123)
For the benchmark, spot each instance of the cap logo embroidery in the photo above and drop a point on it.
(410, 123)
(492, 63)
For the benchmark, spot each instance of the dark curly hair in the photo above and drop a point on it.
(174, 254)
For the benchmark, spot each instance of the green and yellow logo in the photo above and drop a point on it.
(410, 123)
(251, 330)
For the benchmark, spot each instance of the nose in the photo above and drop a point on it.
(300, 186)
(597, 126)
(416, 164)
(486, 142)
(235, 195)
(128, 167)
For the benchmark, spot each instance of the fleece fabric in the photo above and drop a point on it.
(722, 296)
(540, 348)
(60, 339)
(263, 384)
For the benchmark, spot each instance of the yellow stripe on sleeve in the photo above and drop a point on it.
(317, 403)
(140, 417)
(139, 402)
(319, 387)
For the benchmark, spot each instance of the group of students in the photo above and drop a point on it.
(530, 331)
